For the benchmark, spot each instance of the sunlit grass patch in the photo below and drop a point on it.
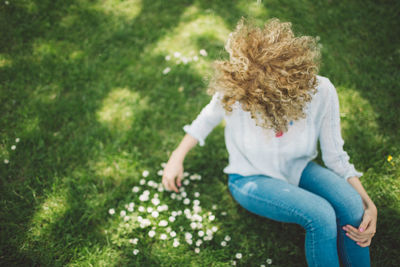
(185, 44)
(254, 10)
(99, 256)
(128, 9)
(5, 61)
(355, 107)
(51, 210)
(118, 109)
(116, 167)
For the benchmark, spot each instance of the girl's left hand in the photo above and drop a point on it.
(366, 230)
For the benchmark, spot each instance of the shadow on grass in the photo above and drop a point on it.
(67, 57)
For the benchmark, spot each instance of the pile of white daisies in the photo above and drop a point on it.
(195, 225)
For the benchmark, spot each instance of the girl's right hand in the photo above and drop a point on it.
(173, 169)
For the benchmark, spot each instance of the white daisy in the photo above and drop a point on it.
(227, 238)
(126, 218)
(167, 58)
(223, 243)
(193, 225)
(135, 189)
(196, 209)
(233, 262)
(176, 242)
(269, 261)
(196, 194)
(238, 255)
(163, 236)
(171, 218)
(152, 233)
(17, 140)
(196, 202)
(155, 214)
(186, 201)
(122, 213)
(172, 233)
(141, 209)
(201, 233)
(135, 251)
(186, 182)
(183, 194)
(145, 173)
(165, 71)
(177, 54)
(163, 223)
(185, 60)
(111, 211)
(143, 197)
(185, 174)
(142, 181)
(13, 147)
(209, 232)
(214, 207)
(199, 242)
(195, 58)
(211, 217)
(262, 265)
(197, 250)
(223, 213)
(203, 52)
(188, 235)
(214, 229)
(6, 161)
(155, 201)
(134, 241)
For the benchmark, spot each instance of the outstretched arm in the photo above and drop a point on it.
(205, 122)
(174, 167)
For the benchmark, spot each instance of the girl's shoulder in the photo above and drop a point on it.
(324, 87)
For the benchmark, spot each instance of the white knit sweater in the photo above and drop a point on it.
(255, 150)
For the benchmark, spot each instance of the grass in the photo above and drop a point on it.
(81, 86)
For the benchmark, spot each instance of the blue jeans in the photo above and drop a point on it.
(322, 204)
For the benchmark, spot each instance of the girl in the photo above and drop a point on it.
(276, 108)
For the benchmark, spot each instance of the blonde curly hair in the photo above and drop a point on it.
(270, 72)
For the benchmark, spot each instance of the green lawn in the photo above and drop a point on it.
(82, 87)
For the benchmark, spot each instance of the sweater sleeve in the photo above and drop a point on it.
(333, 155)
(209, 117)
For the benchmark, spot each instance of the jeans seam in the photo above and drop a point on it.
(282, 205)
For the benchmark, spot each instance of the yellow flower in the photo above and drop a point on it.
(389, 158)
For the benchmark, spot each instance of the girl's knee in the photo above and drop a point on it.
(323, 219)
(352, 210)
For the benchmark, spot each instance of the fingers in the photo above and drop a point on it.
(364, 224)
(363, 239)
(169, 183)
(179, 179)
